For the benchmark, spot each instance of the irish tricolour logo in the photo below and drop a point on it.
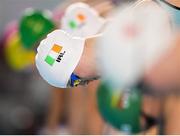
(54, 55)
(78, 22)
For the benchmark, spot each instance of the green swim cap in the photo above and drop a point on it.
(34, 26)
(120, 109)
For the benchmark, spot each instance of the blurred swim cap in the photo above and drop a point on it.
(81, 20)
(10, 28)
(17, 57)
(132, 43)
(120, 109)
(34, 25)
(57, 57)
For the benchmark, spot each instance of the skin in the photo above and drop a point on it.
(55, 111)
(171, 113)
(174, 2)
(165, 75)
(87, 64)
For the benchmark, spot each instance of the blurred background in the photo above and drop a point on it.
(24, 96)
(13, 9)
(28, 105)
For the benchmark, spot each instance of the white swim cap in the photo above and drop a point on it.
(132, 43)
(57, 57)
(81, 20)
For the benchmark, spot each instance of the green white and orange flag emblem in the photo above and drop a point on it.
(53, 54)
